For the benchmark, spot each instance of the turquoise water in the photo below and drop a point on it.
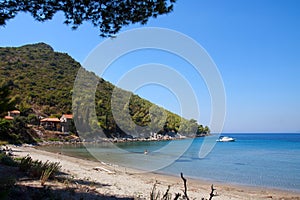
(266, 160)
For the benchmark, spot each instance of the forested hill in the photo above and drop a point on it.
(41, 81)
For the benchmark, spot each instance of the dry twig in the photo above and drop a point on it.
(185, 187)
(211, 195)
(166, 195)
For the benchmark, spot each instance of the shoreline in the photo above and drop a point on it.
(128, 182)
(77, 139)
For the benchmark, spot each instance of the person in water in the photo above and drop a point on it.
(146, 152)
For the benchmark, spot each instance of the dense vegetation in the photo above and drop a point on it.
(39, 78)
(15, 131)
(41, 82)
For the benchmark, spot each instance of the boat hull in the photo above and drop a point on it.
(225, 139)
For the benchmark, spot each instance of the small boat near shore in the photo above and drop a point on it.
(225, 139)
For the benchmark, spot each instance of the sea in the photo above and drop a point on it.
(261, 160)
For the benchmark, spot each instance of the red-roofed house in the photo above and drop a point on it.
(12, 114)
(66, 122)
(52, 124)
(8, 117)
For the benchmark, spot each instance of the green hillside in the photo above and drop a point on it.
(42, 80)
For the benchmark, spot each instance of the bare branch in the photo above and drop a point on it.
(166, 195)
(177, 195)
(185, 187)
(211, 195)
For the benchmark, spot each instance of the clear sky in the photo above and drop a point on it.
(254, 43)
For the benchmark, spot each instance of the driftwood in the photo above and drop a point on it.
(177, 195)
(211, 195)
(155, 195)
(166, 195)
(185, 187)
(103, 169)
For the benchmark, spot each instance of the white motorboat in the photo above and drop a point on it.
(225, 139)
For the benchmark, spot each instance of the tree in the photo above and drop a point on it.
(206, 129)
(6, 103)
(109, 15)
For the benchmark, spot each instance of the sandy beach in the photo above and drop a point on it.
(124, 182)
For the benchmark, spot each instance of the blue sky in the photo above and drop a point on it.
(255, 45)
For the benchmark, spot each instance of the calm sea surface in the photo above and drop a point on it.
(266, 160)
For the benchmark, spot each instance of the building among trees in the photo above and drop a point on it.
(66, 121)
(51, 124)
(12, 114)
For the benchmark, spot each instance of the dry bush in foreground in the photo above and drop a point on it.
(36, 168)
(155, 195)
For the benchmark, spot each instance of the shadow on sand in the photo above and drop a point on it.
(16, 185)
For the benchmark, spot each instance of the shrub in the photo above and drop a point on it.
(33, 119)
(7, 160)
(36, 169)
(5, 126)
(25, 164)
(46, 174)
(39, 169)
(6, 183)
